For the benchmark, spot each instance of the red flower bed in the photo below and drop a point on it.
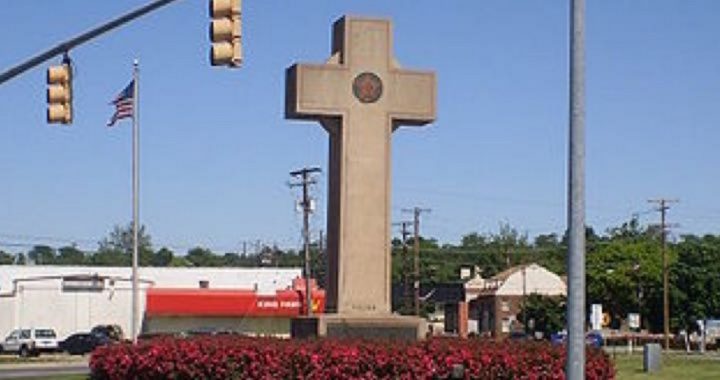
(226, 357)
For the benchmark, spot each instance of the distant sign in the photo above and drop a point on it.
(596, 317)
(83, 284)
(634, 320)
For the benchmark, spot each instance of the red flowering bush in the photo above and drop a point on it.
(227, 357)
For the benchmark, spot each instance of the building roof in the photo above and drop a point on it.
(261, 280)
(524, 279)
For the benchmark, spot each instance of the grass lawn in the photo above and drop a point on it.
(630, 367)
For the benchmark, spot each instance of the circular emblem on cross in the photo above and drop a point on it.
(367, 87)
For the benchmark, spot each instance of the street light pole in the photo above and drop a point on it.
(575, 363)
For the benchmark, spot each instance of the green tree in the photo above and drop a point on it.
(162, 258)
(6, 258)
(509, 247)
(473, 240)
(549, 252)
(111, 258)
(283, 259)
(319, 264)
(180, 261)
(624, 274)
(70, 256)
(695, 279)
(202, 257)
(543, 313)
(120, 242)
(42, 255)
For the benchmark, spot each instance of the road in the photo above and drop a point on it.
(30, 370)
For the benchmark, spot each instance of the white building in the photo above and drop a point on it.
(71, 299)
(496, 301)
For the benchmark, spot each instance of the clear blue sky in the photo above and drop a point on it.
(216, 150)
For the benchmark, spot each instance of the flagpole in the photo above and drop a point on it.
(136, 209)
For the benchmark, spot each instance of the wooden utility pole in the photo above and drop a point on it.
(666, 286)
(320, 243)
(404, 265)
(416, 256)
(305, 179)
(322, 259)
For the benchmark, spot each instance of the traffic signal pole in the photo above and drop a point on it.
(64, 47)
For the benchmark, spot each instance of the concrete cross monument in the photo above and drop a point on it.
(360, 96)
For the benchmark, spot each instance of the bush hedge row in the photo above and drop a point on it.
(228, 357)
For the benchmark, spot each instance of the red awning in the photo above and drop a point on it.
(229, 303)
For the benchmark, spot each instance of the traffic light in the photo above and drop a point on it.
(59, 94)
(225, 35)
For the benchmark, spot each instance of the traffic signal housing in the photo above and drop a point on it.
(59, 94)
(225, 33)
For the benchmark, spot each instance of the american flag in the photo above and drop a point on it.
(123, 104)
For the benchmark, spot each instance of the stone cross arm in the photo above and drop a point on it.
(362, 75)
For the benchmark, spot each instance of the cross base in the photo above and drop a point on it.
(346, 326)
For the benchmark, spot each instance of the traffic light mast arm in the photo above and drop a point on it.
(69, 44)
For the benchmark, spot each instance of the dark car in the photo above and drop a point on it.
(83, 343)
(519, 335)
(592, 338)
(112, 332)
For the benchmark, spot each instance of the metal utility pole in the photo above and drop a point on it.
(416, 255)
(575, 356)
(305, 179)
(666, 286)
(64, 47)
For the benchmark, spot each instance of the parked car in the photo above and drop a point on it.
(712, 332)
(30, 342)
(592, 338)
(519, 335)
(83, 343)
(112, 332)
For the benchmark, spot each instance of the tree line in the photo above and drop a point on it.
(624, 264)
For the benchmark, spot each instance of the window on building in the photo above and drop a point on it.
(204, 284)
(504, 306)
(505, 325)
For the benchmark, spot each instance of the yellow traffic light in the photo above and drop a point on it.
(225, 33)
(59, 94)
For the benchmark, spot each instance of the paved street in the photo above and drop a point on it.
(29, 370)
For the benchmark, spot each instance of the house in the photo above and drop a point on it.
(494, 303)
